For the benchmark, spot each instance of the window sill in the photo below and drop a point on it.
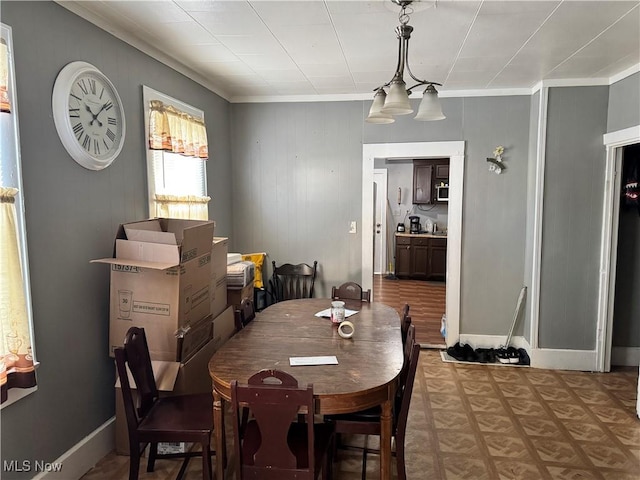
(15, 394)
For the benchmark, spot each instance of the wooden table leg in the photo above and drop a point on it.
(385, 440)
(218, 426)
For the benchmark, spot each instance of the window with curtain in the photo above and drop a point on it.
(177, 153)
(17, 354)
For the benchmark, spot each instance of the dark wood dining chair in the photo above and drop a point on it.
(405, 322)
(367, 422)
(350, 291)
(289, 282)
(274, 444)
(244, 314)
(151, 419)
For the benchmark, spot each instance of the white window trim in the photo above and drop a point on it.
(15, 394)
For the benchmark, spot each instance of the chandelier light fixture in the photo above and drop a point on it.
(396, 100)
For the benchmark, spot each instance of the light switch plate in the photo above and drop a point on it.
(353, 227)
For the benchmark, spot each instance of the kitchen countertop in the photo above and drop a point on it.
(428, 235)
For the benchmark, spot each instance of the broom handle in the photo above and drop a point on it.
(515, 315)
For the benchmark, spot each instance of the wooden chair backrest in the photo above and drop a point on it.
(135, 355)
(274, 398)
(290, 282)
(350, 291)
(244, 314)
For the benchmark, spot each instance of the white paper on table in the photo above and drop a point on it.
(322, 360)
(327, 313)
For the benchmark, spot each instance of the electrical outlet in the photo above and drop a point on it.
(353, 227)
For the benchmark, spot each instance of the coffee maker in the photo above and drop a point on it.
(414, 225)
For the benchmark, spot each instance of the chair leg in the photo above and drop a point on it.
(364, 457)
(134, 460)
(402, 472)
(206, 462)
(153, 452)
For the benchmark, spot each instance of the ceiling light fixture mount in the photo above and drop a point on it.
(396, 101)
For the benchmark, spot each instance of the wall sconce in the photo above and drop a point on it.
(496, 165)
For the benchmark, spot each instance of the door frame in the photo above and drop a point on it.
(614, 143)
(455, 152)
(383, 219)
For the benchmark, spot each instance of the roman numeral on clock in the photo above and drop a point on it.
(78, 130)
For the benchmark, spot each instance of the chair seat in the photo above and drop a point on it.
(179, 417)
(296, 439)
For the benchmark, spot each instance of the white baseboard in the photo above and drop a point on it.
(494, 341)
(84, 455)
(558, 359)
(625, 356)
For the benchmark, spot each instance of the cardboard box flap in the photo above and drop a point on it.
(195, 237)
(135, 263)
(164, 372)
(147, 252)
(165, 238)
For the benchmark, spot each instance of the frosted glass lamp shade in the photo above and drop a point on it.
(375, 112)
(430, 108)
(397, 102)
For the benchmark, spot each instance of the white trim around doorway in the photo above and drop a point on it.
(608, 250)
(455, 152)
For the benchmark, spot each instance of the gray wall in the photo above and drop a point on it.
(572, 217)
(297, 181)
(624, 103)
(72, 215)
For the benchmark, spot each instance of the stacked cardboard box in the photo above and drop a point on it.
(160, 281)
(218, 288)
(168, 276)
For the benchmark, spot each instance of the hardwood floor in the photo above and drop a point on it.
(426, 305)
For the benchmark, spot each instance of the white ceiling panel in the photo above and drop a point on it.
(284, 14)
(231, 23)
(324, 47)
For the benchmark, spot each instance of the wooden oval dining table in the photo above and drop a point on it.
(366, 375)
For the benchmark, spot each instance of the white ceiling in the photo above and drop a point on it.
(312, 49)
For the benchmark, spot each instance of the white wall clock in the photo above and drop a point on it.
(88, 115)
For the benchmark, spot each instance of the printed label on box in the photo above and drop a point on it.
(125, 268)
(152, 308)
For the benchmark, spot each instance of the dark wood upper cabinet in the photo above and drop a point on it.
(422, 183)
(426, 175)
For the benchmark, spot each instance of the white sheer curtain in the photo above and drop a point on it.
(190, 207)
(16, 359)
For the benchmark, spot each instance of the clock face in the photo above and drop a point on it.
(88, 115)
(94, 116)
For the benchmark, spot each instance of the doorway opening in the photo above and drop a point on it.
(455, 152)
(615, 143)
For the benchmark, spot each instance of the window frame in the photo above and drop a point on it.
(11, 156)
(149, 94)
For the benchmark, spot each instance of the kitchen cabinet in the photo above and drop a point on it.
(403, 256)
(421, 257)
(426, 175)
(422, 183)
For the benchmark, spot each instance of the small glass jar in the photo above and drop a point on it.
(337, 312)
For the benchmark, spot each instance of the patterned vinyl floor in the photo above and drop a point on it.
(475, 422)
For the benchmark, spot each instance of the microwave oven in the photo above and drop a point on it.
(442, 192)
